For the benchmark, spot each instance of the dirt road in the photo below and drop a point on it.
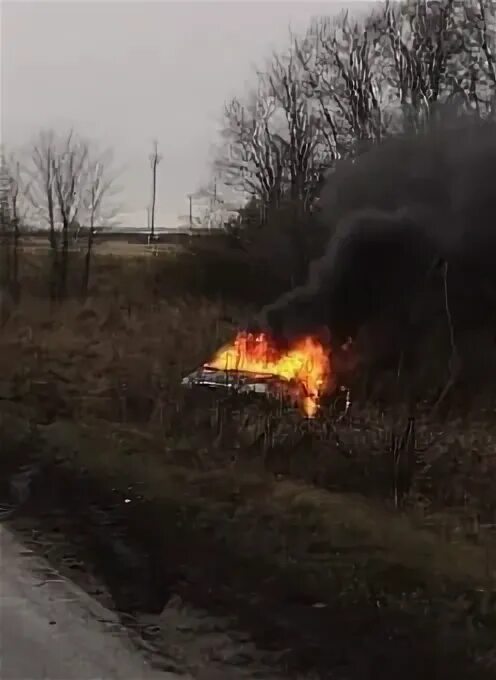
(50, 629)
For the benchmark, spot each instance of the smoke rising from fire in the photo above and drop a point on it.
(394, 214)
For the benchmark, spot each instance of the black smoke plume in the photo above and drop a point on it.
(396, 215)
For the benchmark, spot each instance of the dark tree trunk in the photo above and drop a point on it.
(87, 263)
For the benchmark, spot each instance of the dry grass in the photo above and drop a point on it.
(102, 382)
(95, 357)
(339, 550)
(102, 245)
(108, 248)
(120, 357)
(244, 495)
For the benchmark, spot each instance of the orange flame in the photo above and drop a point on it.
(306, 362)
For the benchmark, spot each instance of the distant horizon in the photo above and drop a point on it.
(127, 228)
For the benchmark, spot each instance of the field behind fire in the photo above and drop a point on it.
(355, 545)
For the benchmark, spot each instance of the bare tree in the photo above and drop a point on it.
(13, 214)
(308, 50)
(347, 84)
(252, 159)
(360, 88)
(391, 71)
(40, 193)
(56, 176)
(14, 183)
(67, 183)
(422, 45)
(97, 205)
(475, 70)
(299, 130)
(343, 74)
(70, 177)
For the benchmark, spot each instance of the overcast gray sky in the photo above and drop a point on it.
(125, 73)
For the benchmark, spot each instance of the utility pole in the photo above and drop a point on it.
(190, 196)
(155, 159)
(213, 204)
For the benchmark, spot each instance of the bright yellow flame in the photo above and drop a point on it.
(306, 362)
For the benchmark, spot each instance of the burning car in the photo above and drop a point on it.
(254, 363)
(242, 382)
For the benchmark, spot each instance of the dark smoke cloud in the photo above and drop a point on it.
(394, 214)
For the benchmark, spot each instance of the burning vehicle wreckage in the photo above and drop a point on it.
(411, 242)
(299, 374)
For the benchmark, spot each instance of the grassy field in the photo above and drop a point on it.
(109, 247)
(370, 529)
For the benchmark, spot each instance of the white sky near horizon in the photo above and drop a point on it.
(125, 73)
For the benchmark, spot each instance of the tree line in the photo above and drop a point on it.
(342, 86)
(59, 183)
(338, 88)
